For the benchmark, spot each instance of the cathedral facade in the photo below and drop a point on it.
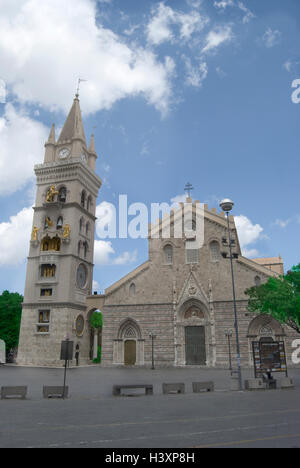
(177, 308)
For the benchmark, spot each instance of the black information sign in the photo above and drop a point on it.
(269, 357)
(66, 353)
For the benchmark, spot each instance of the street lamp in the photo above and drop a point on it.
(228, 335)
(152, 336)
(227, 206)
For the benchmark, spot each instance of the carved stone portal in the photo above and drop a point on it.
(194, 312)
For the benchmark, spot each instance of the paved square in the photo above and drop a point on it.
(92, 417)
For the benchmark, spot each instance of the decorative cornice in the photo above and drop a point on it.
(55, 305)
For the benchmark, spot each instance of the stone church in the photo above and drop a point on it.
(176, 307)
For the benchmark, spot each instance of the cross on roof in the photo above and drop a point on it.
(188, 189)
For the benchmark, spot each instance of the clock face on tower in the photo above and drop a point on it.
(64, 153)
(81, 276)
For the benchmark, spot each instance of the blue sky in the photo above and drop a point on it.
(177, 91)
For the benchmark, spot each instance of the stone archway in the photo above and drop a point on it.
(129, 345)
(95, 336)
(194, 335)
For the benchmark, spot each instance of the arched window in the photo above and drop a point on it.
(87, 229)
(85, 249)
(60, 223)
(168, 254)
(132, 289)
(62, 196)
(214, 251)
(83, 199)
(79, 248)
(89, 203)
(81, 224)
(257, 281)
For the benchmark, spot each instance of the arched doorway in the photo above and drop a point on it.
(129, 345)
(193, 330)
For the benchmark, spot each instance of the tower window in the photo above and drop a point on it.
(44, 316)
(168, 254)
(87, 229)
(60, 223)
(83, 199)
(79, 248)
(46, 292)
(62, 196)
(43, 321)
(48, 271)
(85, 249)
(89, 203)
(50, 244)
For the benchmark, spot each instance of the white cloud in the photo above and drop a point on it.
(248, 233)
(179, 199)
(288, 66)
(45, 46)
(271, 38)
(217, 37)
(195, 74)
(282, 223)
(96, 286)
(102, 252)
(14, 238)
(164, 18)
(2, 91)
(21, 147)
(126, 258)
(222, 4)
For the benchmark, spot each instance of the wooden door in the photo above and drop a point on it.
(130, 353)
(195, 349)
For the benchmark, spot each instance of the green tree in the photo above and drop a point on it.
(10, 318)
(279, 297)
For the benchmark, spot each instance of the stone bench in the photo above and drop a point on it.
(200, 387)
(118, 388)
(287, 383)
(173, 388)
(55, 392)
(9, 393)
(255, 384)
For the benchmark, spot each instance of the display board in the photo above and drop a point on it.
(269, 357)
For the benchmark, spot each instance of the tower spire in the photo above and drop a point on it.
(73, 128)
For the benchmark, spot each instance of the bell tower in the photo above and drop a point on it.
(60, 263)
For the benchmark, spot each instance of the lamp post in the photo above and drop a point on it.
(227, 205)
(152, 336)
(228, 335)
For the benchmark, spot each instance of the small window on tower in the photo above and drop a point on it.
(83, 199)
(46, 292)
(60, 223)
(44, 316)
(89, 203)
(48, 271)
(62, 196)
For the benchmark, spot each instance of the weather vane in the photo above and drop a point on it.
(188, 189)
(80, 80)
